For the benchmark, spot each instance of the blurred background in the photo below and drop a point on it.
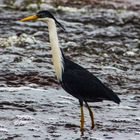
(102, 35)
(40, 4)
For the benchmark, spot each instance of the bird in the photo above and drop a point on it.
(74, 79)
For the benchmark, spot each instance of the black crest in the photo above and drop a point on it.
(47, 14)
(44, 14)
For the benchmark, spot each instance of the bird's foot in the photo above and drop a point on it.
(92, 126)
(82, 131)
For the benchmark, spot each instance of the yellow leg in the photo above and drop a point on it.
(82, 121)
(91, 115)
(92, 118)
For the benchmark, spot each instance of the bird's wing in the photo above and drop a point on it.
(82, 84)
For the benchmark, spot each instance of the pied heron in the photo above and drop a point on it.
(74, 79)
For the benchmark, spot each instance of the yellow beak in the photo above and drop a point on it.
(30, 18)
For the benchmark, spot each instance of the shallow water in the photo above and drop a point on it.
(28, 113)
(32, 103)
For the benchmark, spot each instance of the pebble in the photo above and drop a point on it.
(129, 53)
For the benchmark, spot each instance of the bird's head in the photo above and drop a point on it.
(44, 16)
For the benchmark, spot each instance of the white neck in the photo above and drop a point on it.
(57, 57)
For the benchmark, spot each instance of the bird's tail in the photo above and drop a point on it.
(112, 96)
(115, 98)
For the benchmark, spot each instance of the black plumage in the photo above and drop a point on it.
(83, 85)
